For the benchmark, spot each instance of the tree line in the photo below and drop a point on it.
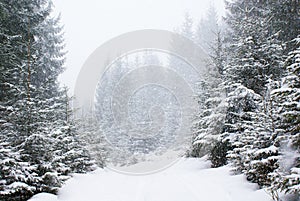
(250, 114)
(39, 140)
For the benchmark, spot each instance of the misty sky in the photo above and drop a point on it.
(90, 23)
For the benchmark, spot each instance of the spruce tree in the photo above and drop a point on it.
(208, 124)
(207, 30)
(33, 107)
(254, 57)
(286, 100)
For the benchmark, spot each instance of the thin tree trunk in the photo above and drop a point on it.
(29, 77)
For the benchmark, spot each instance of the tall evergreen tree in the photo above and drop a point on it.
(92, 136)
(255, 53)
(284, 21)
(33, 107)
(207, 30)
(254, 57)
(208, 124)
(286, 100)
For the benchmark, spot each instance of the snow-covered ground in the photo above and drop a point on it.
(186, 180)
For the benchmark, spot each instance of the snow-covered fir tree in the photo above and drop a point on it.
(208, 124)
(286, 101)
(254, 60)
(207, 29)
(254, 55)
(92, 136)
(34, 129)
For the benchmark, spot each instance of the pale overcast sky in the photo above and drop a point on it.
(90, 23)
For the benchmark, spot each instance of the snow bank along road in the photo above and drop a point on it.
(187, 180)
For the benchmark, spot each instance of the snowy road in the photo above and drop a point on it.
(187, 180)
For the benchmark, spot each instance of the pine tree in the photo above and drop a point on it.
(255, 53)
(207, 30)
(286, 100)
(208, 124)
(92, 136)
(32, 105)
(186, 29)
(255, 57)
(182, 47)
(284, 21)
(17, 21)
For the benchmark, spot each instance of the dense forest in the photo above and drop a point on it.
(251, 116)
(250, 101)
(39, 144)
